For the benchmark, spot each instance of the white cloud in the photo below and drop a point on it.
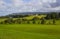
(19, 3)
(49, 1)
(31, 6)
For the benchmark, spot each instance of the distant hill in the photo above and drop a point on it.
(28, 13)
(24, 14)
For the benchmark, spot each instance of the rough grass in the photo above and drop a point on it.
(29, 31)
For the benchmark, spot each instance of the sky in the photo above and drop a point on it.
(16, 6)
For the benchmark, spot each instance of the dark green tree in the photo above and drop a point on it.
(33, 22)
(54, 21)
(1, 23)
(42, 21)
(8, 21)
(36, 18)
(28, 22)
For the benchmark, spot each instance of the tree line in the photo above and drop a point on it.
(36, 20)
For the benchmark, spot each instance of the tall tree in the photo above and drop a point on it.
(42, 21)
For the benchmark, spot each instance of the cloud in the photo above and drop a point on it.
(27, 6)
(33, 5)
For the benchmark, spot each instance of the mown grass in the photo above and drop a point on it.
(29, 31)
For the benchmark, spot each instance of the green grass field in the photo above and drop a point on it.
(29, 31)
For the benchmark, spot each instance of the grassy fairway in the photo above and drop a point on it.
(29, 31)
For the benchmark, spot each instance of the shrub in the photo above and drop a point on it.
(33, 22)
(18, 21)
(8, 21)
(54, 22)
(28, 22)
(1, 23)
(35, 18)
(42, 21)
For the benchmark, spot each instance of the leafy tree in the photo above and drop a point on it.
(43, 21)
(28, 22)
(59, 15)
(35, 18)
(48, 16)
(38, 22)
(18, 21)
(8, 21)
(1, 23)
(54, 21)
(33, 22)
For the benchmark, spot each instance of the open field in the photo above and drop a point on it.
(29, 31)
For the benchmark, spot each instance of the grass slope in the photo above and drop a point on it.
(29, 31)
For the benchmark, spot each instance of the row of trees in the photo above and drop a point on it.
(53, 16)
(35, 20)
(50, 16)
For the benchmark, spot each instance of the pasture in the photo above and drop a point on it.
(29, 31)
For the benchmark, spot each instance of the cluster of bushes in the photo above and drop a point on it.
(35, 20)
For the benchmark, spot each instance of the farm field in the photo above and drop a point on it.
(29, 31)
